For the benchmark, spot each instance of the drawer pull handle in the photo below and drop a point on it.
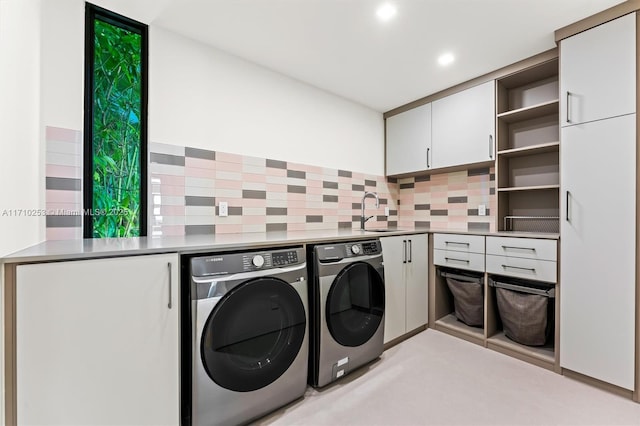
(519, 267)
(518, 248)
(455, 260)
(456, 242)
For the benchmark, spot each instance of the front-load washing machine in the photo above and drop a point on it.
(347, 304)
(249, 349)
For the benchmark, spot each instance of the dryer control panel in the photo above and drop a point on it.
(233, 263)
(339, 251)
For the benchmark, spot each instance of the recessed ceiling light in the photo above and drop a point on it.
(386, 12)
(446, 59)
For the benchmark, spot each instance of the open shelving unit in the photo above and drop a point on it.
(528, 163)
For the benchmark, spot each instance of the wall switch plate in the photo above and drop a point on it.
(386, 211)
(223, 209)
(482, 210)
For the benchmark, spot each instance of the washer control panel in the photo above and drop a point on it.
(338, 251)
(233, 263)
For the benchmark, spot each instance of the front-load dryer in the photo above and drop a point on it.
(249, 334)
(347, 298)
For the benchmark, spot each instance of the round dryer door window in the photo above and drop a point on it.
(253, 334)
(355, 304)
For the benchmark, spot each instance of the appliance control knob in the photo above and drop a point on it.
(355, 249)
(257, 261)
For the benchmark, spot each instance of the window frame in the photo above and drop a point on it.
(92, 13)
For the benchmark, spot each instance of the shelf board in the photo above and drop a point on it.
(528, 188)
(543, 353)
(530, 150)
(451, 322)
(527, 113)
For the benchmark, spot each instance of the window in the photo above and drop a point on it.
(115, 125)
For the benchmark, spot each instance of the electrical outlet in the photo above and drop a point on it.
(386, 211)
(223, 209)
(482, 210)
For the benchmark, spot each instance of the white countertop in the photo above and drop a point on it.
(113, 247)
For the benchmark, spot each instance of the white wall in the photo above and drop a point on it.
(21, 150)
(202, 97)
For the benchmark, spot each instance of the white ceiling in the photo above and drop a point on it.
(340, 46)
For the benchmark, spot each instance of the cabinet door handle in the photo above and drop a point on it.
(567, 217)
(404, 251)
(567, 106)
(491, 146)
(410, 251)
(455, 260)
(428, 157)
(519, 267)
(170, 284)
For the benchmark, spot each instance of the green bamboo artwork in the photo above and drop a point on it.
(116, 132)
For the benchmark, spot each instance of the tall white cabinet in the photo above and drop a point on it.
(406, 283)
(598, 202)
(97, 342)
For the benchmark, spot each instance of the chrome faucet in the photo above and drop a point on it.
(363, 219)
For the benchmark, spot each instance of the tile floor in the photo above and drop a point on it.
(436, 379)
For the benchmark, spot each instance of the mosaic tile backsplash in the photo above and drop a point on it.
(187, 184)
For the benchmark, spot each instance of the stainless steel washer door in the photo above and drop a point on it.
(355, 304)
(253, 334)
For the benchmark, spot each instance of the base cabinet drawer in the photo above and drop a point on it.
(533, 269)
(460, 260)
(530, 248)
(458, 242)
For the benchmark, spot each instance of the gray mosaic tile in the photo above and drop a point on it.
(407, 185)
(422, 206)
(199, 229)
(443, 212)
(330, 198)
(329, 185)
(313, 219)
(296, 174)
(296, 189)
(345, 173)
(64, 221)
(345, 225)
(172, 160)
(254, 194)
(422, 224)
(481, 226)
(457, 200)
(426, 178)
(358, 188)
(203, 154)
(191, 200)
(276, 164)
(368, 182)
(64, 184)
(276, 211)
(276, 227)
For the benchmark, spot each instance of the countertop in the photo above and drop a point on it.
(112, 247)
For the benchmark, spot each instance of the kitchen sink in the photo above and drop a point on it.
(384, 230)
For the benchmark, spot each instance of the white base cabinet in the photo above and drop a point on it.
(97, 342)
(406, 283)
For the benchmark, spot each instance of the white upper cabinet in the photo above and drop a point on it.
(409, 141)
(598, 72)
(463, 127)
